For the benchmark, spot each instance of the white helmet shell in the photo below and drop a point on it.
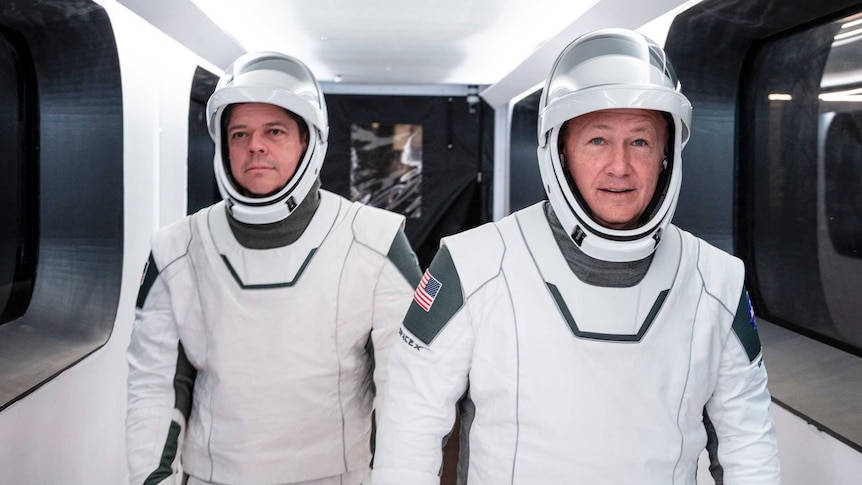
(610, 69)
(281, 80)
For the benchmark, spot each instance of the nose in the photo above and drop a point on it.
(255, 143)
(619, 163)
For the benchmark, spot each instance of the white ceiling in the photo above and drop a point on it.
(398, 41)
(504, 43)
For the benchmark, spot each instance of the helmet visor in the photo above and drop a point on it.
(587, 63)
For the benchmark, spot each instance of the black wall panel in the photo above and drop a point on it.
(525, 180)
(80, 191)
(202, 187)
(721, 183)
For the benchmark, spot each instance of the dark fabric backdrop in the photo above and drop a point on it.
(455, 149)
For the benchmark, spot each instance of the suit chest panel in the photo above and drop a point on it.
(293, 299)
(561, 382)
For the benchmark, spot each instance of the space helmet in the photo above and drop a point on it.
(610, 69)
(281, 80)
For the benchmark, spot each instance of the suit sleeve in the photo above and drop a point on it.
(159, 386)
(399, 276)
(428, 373)
(739, 408)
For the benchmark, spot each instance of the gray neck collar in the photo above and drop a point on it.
(593, 271)
(281, 233)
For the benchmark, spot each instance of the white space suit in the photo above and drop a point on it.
(573, 383)
(277, 338)
(587, 354)
(262, 365)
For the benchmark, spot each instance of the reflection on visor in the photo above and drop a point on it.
(270, 71)
(603, 46)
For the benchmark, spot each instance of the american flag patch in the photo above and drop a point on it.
(427, 291)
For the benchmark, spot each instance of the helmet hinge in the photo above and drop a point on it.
(657, 237)
(579, 235)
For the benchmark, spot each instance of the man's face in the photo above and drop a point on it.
(265, 147)
(615, 158)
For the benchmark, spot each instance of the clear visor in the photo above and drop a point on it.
(274, 78)
(585, 64)
(288, 100)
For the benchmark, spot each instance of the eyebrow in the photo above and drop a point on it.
(268, 124)
(605, 126)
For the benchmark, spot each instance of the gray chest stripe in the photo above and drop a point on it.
(564, 310)
(269, 286)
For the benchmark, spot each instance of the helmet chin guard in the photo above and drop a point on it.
(280, 80)
(611, 69)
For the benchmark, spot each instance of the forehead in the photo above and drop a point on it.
(261, 112)
(639, 119)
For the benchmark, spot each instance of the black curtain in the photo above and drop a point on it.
(456, 149)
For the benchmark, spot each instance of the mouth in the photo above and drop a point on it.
(618, 191)
(257, 168)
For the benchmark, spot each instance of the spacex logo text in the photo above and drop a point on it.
(409, 340)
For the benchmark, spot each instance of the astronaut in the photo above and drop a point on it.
(586, 334)
(264, 321)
